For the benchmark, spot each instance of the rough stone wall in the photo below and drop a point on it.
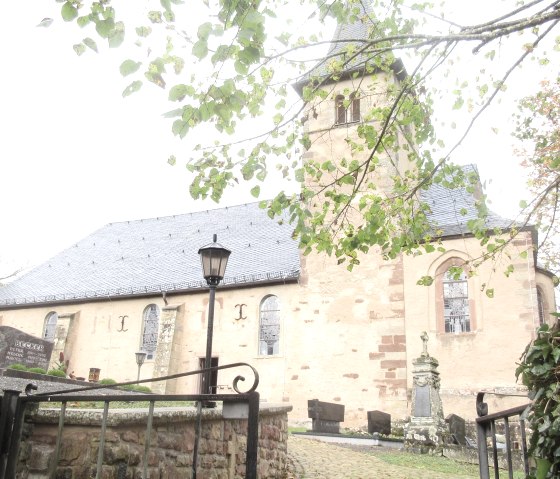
(222, 447)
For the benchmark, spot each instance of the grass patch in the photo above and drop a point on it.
(436, 464)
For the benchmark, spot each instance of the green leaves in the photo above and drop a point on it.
(180, 128)
(69, 12)
(90, 43)
(105, 27)
(200, 49)
(132, 88)
(179, 92)
(128, 67)
(538, 369)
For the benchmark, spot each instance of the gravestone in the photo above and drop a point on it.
(17, 347)
(426, 430)
(379, 422)
(457, 429)
(326, 416)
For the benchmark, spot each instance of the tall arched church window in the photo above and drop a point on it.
(541, 306)
(456, 313)
(269, 326)
(49, 328)
(150, 330)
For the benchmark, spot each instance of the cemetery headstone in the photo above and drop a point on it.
(17, 347)
(379, 422)
(457, 429)
(326, 416)
(426, 430)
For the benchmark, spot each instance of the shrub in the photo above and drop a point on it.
(57, 372)
(142, 389)
(18, 367)
(37, 370)
(539, 371)
(107, 381)
(137, 388)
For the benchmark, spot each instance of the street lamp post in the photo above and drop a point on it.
(140, 357)
(214, 258)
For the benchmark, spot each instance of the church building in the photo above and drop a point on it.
(312, 329)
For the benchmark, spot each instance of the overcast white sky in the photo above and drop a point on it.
(75, 155)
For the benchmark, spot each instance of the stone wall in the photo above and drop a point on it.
(222, 447)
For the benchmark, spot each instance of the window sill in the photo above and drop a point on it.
(451, 335)
(271, 356)
(339, 125)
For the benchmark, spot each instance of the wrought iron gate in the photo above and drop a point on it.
(15, 403)
(486, 430)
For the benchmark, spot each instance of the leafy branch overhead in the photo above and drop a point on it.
(259, 80)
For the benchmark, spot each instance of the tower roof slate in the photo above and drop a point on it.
(360, 30)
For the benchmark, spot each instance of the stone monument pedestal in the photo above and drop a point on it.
(426, 430)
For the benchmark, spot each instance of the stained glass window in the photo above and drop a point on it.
(456, 303)
(150, 330)
(269, 326)
(49, 329)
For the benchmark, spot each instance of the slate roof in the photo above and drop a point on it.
(157, 255)
(161, 255)
(451, 209)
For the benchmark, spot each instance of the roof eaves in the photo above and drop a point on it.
(144, 291)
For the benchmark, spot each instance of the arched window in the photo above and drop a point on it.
(347, 111)
(49, 328)
(150, 330)
(541, 306)
(456, 311)
(269, 326)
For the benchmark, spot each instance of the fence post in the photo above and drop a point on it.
(252, 436)
(482, 451)
(7, 415)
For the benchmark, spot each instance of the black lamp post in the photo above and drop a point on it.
(214, 258)
(140, 357)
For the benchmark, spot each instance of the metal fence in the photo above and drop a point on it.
(487, 425)
(15, 404)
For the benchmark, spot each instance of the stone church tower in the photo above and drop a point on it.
(359, 315)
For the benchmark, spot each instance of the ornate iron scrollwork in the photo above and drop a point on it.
(172, 376)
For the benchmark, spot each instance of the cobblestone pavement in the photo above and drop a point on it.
(313, 459)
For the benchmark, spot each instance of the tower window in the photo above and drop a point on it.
(347, 110)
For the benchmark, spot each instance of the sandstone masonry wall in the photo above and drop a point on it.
(221, 455)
